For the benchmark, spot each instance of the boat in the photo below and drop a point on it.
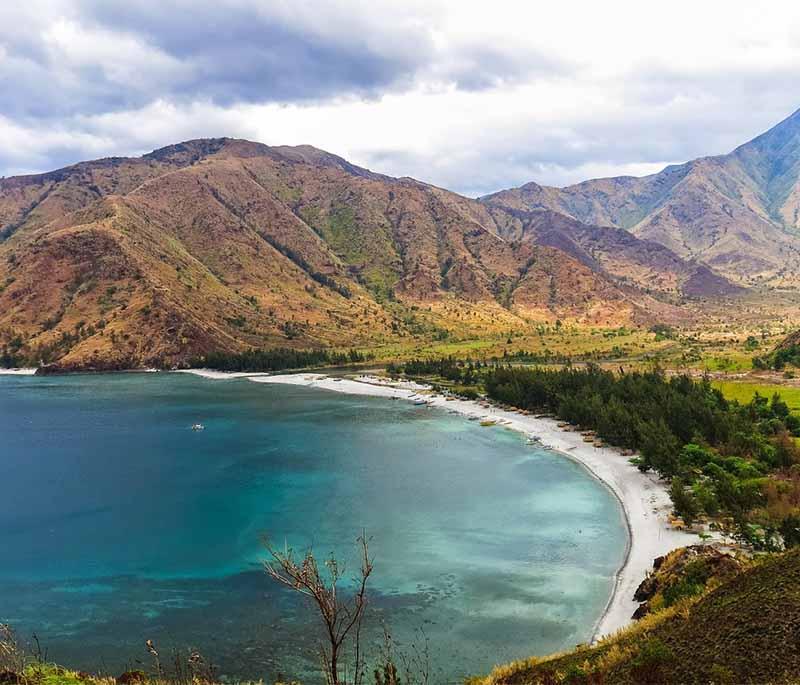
(198, 427)
(420, 403)
(488, 422)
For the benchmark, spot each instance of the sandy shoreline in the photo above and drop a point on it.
(643, 498)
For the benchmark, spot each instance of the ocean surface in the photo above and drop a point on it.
(119, 524)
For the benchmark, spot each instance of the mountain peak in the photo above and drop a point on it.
(751, 196)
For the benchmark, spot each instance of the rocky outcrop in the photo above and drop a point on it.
(683, 572)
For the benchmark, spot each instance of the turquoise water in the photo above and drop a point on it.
(118, 523)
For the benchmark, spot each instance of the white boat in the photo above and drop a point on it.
(198, 427)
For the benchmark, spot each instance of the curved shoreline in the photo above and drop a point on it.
(643, 499)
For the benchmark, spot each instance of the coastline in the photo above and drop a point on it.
(644, 499)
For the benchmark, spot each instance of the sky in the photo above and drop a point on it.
(471, 96)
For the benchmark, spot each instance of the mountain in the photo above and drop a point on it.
(226, 244)
(738, 213)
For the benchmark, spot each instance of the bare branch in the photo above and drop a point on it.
(342, 619)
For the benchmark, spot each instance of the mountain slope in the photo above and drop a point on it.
(226, 244)
(739, 213)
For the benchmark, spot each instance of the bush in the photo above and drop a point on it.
(651, 664)
(790, 531)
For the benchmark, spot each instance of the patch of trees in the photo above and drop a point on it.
(11, 360)
(465, 372)
(779, 359)
(720, 456)
(319, 277)
(663, 332)
(277, 359)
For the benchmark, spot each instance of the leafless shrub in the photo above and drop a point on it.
(12, 657)
(398, 667)
(342, 617)
(189, 667)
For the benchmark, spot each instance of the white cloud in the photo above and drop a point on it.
(124, 59)
(469, 96)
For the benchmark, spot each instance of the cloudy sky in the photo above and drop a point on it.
(472, 96)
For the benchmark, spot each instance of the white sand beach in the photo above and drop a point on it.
(643, 497)
(17, 372)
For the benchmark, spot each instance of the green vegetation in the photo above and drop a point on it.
(724, 459)
(277, 359)
(319, 277)
(370, 256)
(663, 332)
(744, 391)
(735, 631)
(779, 359)
(448, 368)
(20, 666)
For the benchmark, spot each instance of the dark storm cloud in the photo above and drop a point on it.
(64, 63)
(215, 55)
(237, 53)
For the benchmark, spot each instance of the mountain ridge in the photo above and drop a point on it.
(739, 213)
(226, 244)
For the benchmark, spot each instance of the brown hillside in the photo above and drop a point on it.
(737, 213)
(227, 244)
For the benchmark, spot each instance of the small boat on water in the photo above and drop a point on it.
(420, 403)
(488, 422)
(198, 427)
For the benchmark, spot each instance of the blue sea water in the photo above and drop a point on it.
(118, 524)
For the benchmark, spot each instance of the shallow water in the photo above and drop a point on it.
(118, 523)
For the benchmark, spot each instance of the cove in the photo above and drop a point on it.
(118, 524)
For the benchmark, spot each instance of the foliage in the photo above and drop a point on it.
(319, 277)
(790, 531)
(276, 359)
(449, 368)
(778, 359)
(663, 331)
(651, 664)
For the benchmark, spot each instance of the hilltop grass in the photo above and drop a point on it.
(630, 345)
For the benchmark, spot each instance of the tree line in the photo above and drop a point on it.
(276, 359)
